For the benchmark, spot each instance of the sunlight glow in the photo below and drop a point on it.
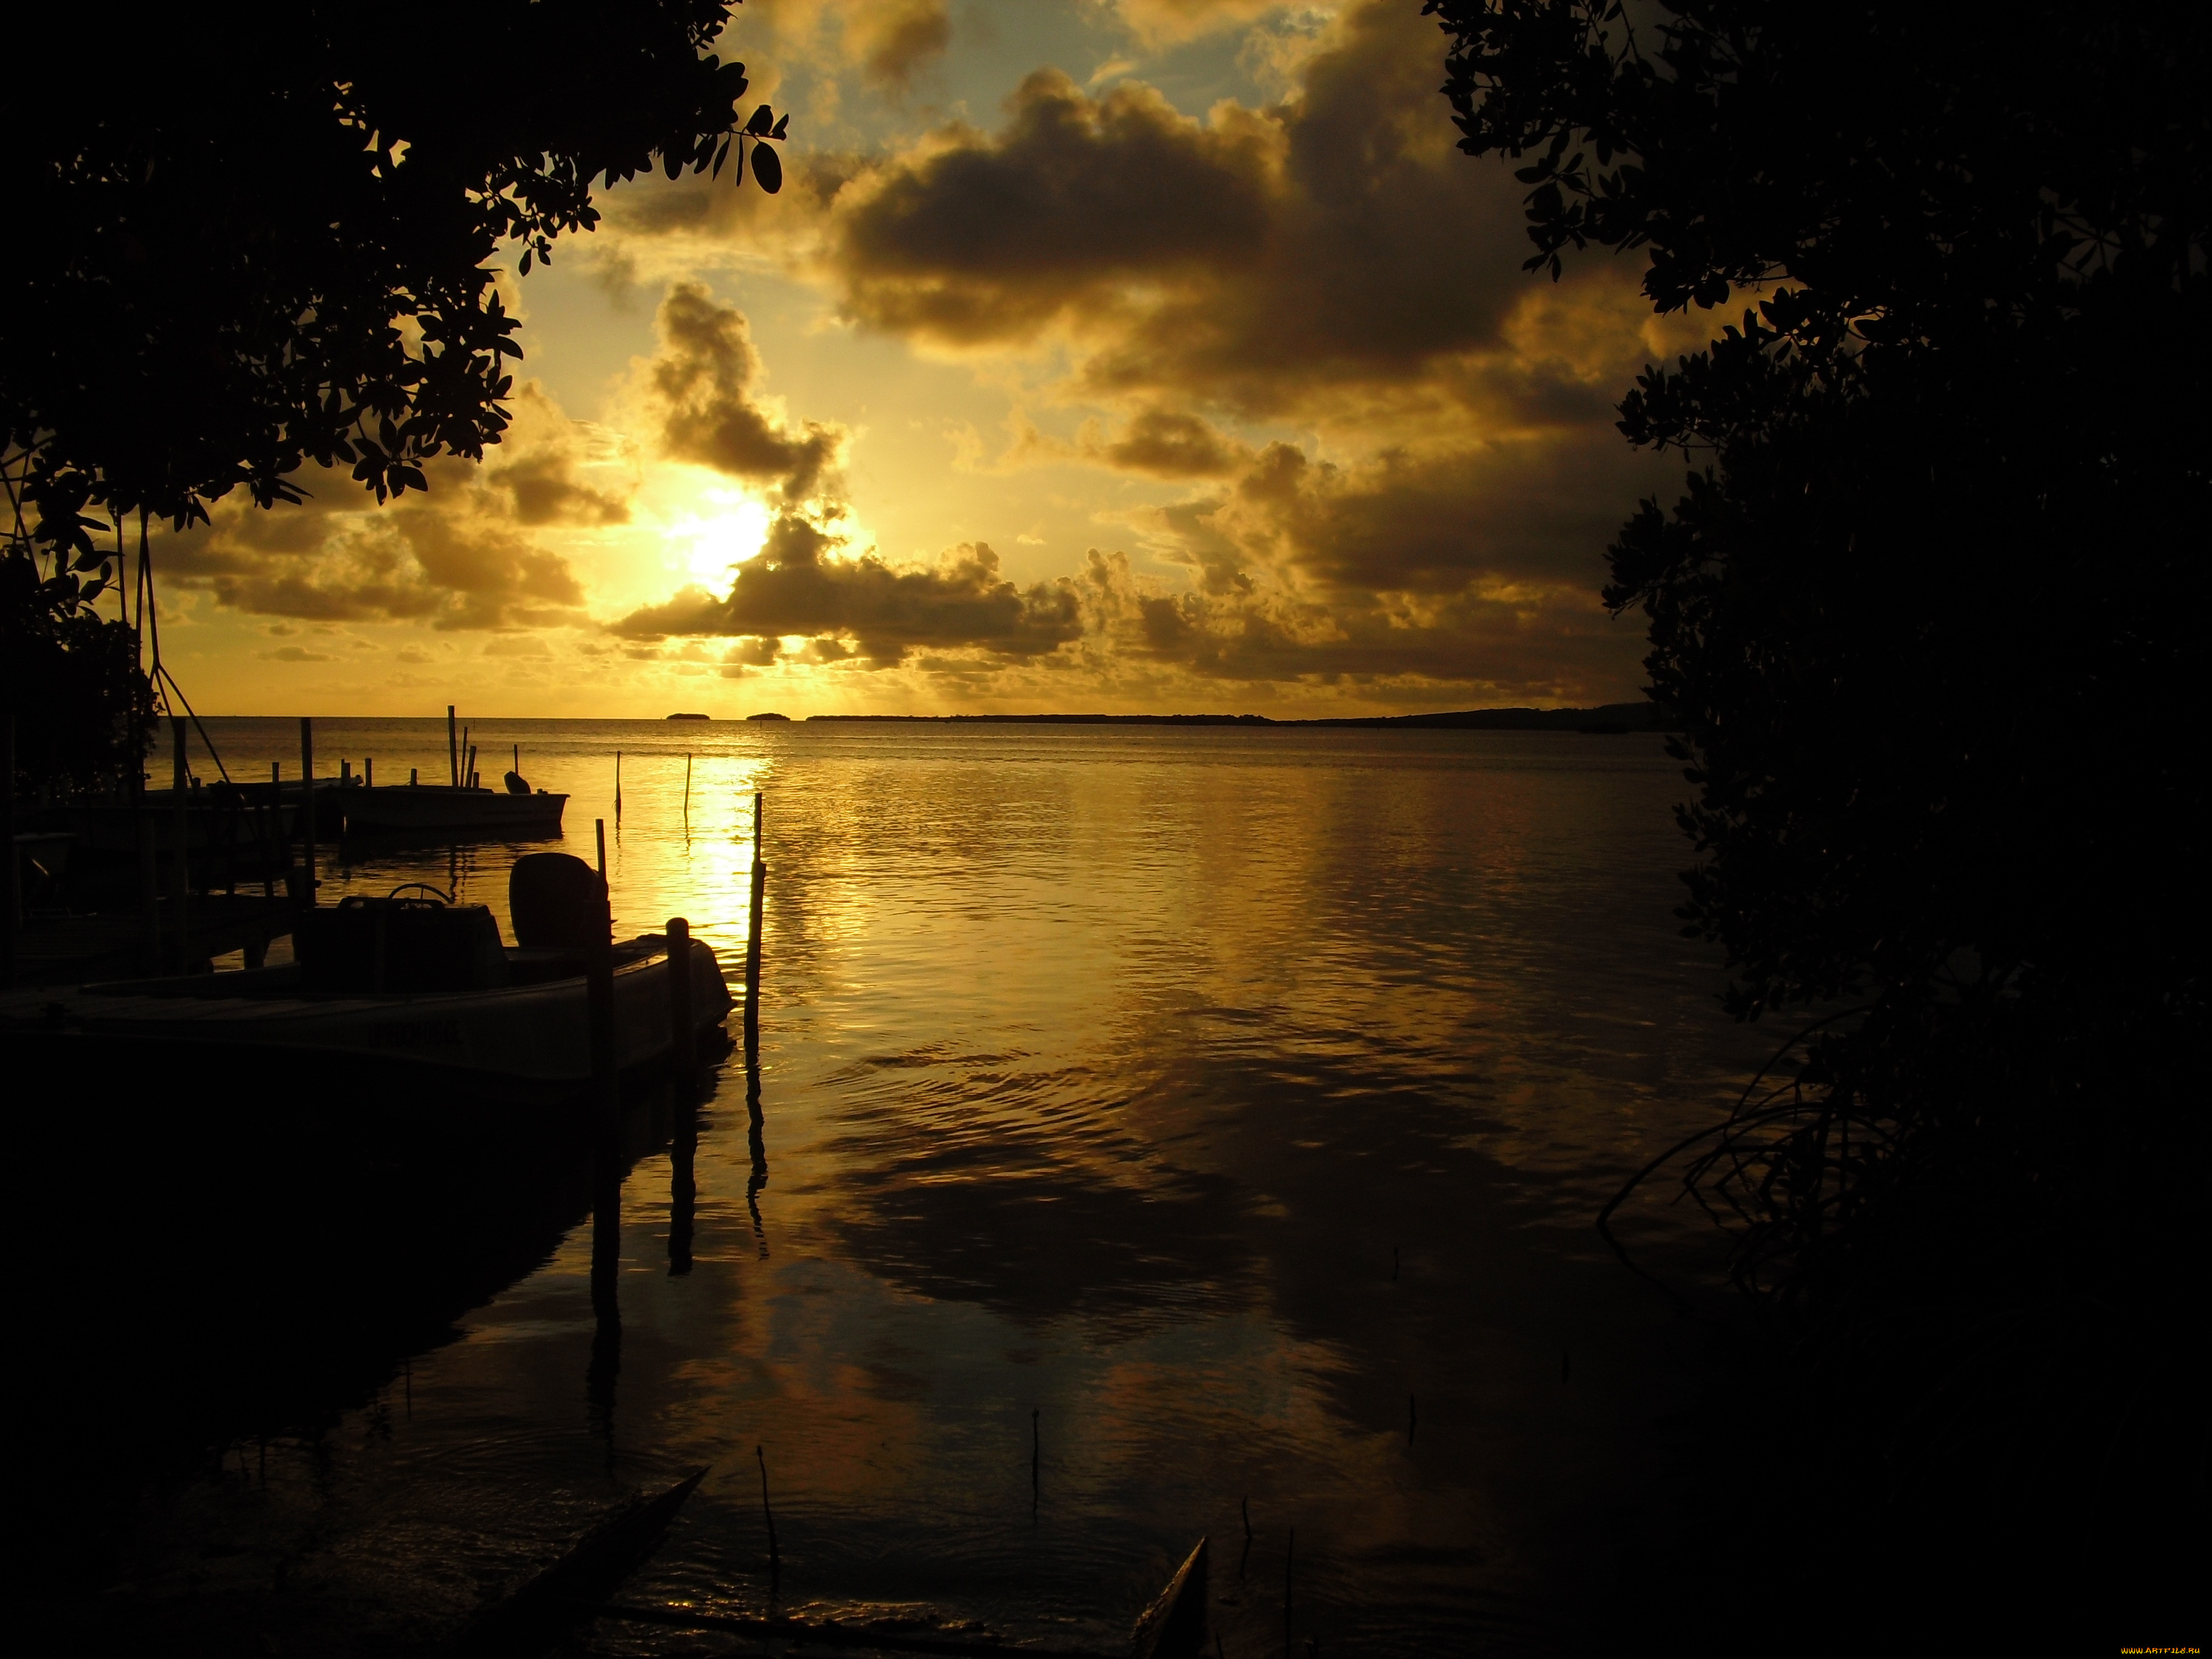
(719, 544)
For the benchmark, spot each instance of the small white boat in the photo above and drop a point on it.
(418, 808)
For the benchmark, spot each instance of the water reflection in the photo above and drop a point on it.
(1175, 1133)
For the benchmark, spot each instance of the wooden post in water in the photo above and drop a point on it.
(753, 943)
(687, 790)
(307, 897)
(683, 1029)
(617, 786)
(605, 1106)
(774, 1555)
(684, 1086)
(180, 880)
(452, 748)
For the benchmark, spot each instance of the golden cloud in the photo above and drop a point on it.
(701, 387)
(796, 586)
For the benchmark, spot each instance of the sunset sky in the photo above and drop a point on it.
(1114, 355)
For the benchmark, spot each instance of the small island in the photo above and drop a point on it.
(769, 717)
(690, 717)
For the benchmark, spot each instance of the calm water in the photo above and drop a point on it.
(1218, 1115)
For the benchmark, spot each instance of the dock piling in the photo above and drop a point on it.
(307, 896)
(599, 1001)
(452, 748)
(753, 942)
(682, 1029)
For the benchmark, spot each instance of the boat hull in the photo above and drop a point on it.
(533, 1039)
(418, 809)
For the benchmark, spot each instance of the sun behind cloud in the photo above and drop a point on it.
(730, 529)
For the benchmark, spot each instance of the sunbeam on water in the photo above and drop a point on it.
(1146, 1119)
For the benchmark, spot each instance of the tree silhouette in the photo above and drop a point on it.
(257, 236)
(1919, 609)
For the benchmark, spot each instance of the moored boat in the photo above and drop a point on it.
(530, 1036)
(421, 807)
(420, 983)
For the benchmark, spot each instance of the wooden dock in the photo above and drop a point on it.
(124, 944)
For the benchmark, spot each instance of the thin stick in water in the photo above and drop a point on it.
(775, 1557)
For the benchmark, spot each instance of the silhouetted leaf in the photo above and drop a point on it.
(768, 168)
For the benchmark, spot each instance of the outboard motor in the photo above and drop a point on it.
(556, 903)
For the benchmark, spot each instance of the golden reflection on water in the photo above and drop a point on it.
(1104, 1073)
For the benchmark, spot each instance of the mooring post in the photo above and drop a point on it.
(600, 994)
(452, 750)
(682, 1034)
(753, 943)
(11, 890)
(684, 1071)
(306, 900)
(180, 880)
(604, 1108)
(617, 786)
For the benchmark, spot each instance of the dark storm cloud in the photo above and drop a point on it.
(983, 237)
(1168, 444)
(1491, 640)
(795, 587)
(1249, 259)
(1406, 523)
(703, 383)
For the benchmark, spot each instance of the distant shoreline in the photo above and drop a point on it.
(1611, 717)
